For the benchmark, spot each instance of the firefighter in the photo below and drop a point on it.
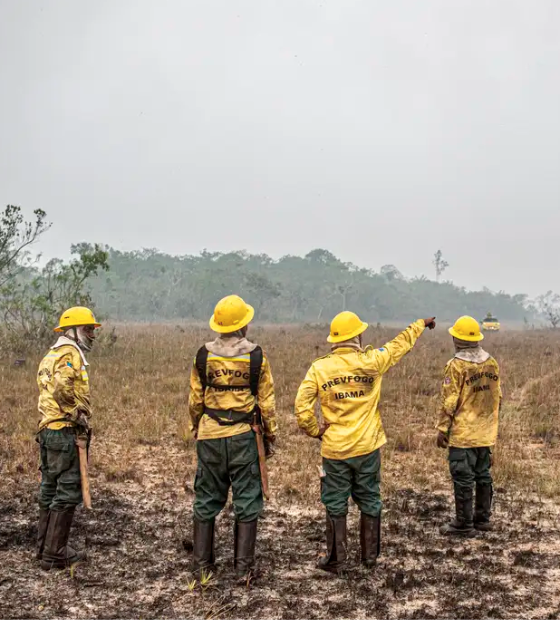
(64, 405)
(231, 387)
(471, 397)
(347, 383)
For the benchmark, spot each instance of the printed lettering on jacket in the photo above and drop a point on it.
(356, 385)
(480, 375)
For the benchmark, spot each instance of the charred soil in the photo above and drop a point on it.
(143, 460)
(138, 539)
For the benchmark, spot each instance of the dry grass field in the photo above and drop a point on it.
(143, 464)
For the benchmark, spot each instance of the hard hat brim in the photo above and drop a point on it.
(466, 338)
(356, 332)
(61, 328)
(228, 329)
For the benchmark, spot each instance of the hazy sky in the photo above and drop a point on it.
(380, 130)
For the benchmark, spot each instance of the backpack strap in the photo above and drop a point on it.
(200, 363)
(255, 365)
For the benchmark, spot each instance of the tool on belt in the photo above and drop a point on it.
(82, 440)
(230, 417)
(262, 449)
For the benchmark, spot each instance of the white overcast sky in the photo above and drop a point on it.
(380, 130)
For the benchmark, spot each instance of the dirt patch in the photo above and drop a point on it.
(138, 539)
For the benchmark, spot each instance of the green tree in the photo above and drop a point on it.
(549, 306)
(32, 299)
(440, 264)
(262, 289)
(16, 235)
(150, 285)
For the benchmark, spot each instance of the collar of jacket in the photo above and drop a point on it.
(65, 341)
(478, 355)
(346, 349)
(353, 343)
(230, 346)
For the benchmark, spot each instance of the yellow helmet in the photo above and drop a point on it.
(346, 325)
(76, 317)
(231, 313)
(466, 328)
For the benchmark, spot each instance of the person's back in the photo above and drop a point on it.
(225, 371)
(471, 396)
(231, 390)
(347, 383)
(472, 386)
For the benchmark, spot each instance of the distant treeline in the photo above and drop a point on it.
(149, 285)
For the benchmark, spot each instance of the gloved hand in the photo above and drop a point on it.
(322, 429)
(81, 418)
(269, 441)
(442, 440)
(430, 323)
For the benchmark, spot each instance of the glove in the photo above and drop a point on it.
(269, 441)
(322, 430)
(430, 323)
(442, 440)
(82, 420)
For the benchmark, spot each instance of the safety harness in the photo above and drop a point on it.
(228, 417)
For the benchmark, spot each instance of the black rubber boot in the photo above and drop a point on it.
(56, 552)
(370, 539)
(335, 560)
(203, 547)
(43, 526)
(462, 525)
(244, 541)
(483, 507)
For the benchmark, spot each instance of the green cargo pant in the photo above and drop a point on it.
(223, 462)
(359, 477)
(61, 485)
(469, 466)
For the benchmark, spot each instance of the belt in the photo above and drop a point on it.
(228, 417)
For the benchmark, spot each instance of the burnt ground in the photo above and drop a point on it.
(137, 537)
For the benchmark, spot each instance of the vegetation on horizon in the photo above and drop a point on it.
(151, 285)
(148, 285)
(32, 298)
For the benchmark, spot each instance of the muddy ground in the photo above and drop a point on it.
(138, 533)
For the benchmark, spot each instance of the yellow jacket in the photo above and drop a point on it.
(348, 385)
(63, 386)
(228, 364)
(470, 400)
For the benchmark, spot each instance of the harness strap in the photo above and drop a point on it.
(230, 417)
(255, 365)
(200, 363)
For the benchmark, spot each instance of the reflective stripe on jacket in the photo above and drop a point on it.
(63, 387)
(347, 383)
(470, 403)
(230, 371)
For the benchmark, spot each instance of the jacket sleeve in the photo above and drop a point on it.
(305, 404)
(196, 399)
(386, 357)
(63, 384)
(266, 399)
(499, 383)
(450, 393)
